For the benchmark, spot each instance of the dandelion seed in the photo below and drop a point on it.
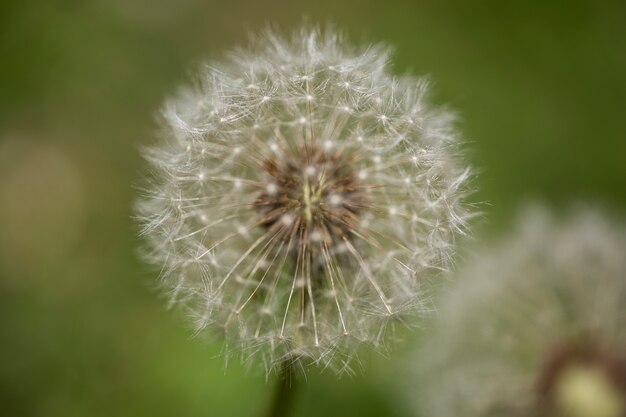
(295, 256)
(536, 326)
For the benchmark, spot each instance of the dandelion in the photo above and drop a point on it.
(536, 326)
(301, 199)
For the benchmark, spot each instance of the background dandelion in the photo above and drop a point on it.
(302, 198)
(535, 326)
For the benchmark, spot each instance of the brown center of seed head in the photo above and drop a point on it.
(585, 371)
(310, 198)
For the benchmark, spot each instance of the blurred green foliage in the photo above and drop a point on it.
(540, 86)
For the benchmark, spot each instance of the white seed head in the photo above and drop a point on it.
(296, 194)
(535, 327)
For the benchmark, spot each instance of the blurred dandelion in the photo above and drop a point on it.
(302, 198)
(536, 326)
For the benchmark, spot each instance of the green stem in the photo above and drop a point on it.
(284, 393)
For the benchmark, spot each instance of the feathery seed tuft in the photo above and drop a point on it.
(301, 198)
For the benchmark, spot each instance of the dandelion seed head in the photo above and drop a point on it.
(535, 326)
(301, 242)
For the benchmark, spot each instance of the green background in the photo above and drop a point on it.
(540, 86)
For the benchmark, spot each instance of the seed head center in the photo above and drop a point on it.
(310, 195)
(583, 382)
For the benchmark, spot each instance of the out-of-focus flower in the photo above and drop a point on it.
(536, 326)
(302, 197)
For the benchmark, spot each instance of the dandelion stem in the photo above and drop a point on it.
(284, 393)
